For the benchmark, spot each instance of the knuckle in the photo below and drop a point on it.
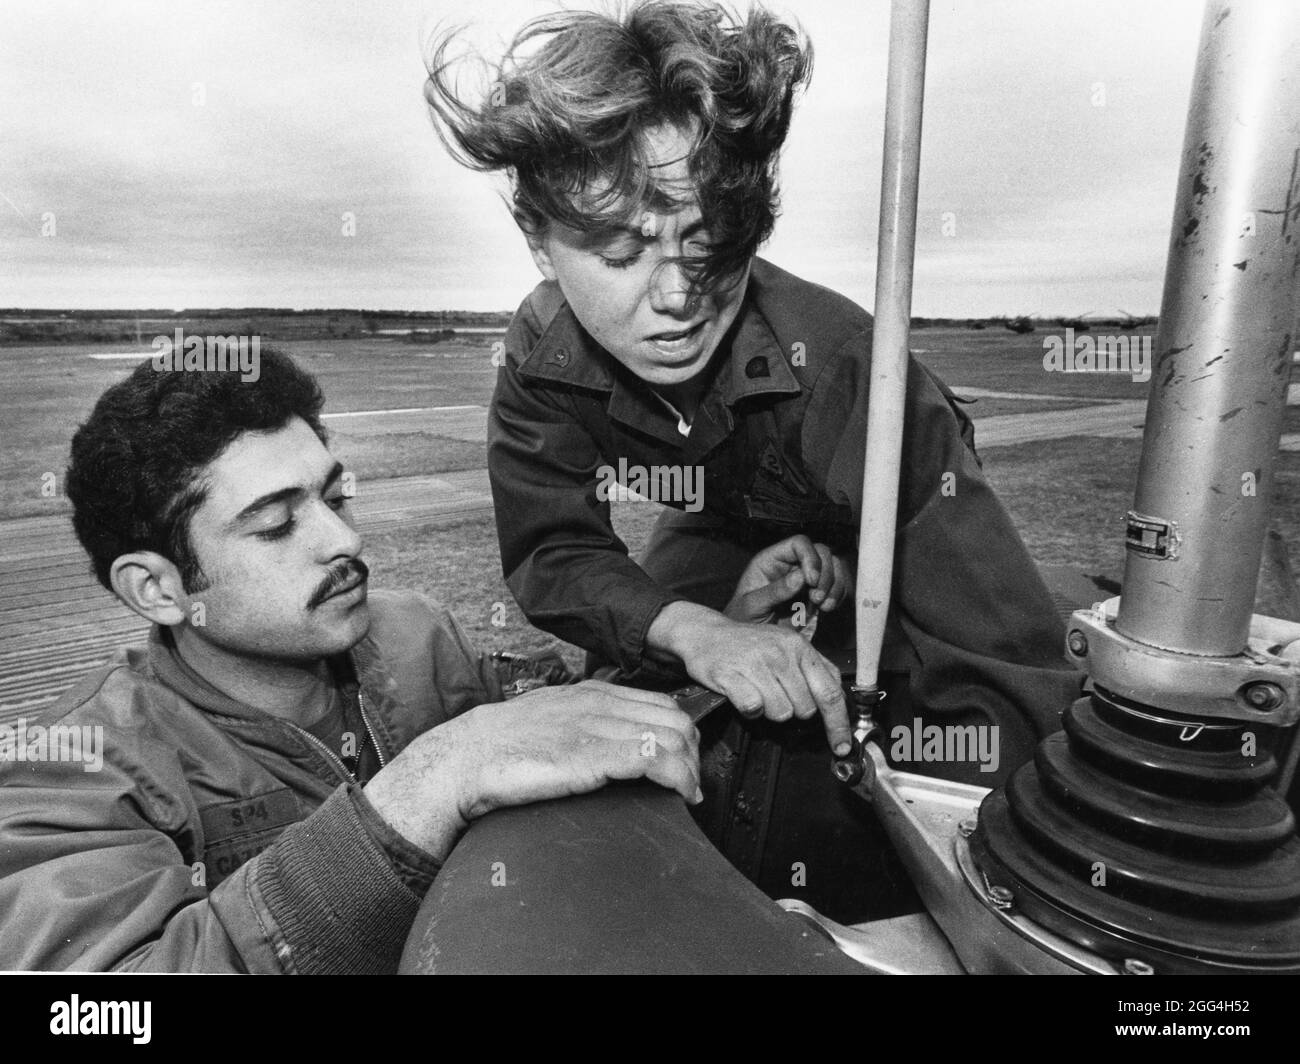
(672, 741)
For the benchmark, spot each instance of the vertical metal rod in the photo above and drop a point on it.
(1224, 344)
(896, 247)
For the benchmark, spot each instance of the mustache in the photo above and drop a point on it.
(338, 578)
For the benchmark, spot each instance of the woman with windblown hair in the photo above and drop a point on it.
(642, 154)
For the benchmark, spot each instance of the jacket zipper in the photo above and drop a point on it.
(361, 705)
(331, 756)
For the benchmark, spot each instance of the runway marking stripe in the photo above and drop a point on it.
(406, 410)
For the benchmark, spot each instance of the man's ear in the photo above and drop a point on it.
(537, 246)
(150, 585)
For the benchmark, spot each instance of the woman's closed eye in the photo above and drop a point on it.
(621, 263)
(694, 248)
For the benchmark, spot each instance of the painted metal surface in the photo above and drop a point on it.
(1226, 334)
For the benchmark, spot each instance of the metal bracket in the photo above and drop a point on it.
(927, 820)
(901, 945)
(1152, 537)
(1255, 685)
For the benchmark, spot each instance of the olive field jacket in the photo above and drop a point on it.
(778, 441)
(213, 837)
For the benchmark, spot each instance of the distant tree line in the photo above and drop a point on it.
(38, 326)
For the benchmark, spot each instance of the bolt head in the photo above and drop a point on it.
(1263, 695)
(848, 771)
(967, 827)
(1078, 643)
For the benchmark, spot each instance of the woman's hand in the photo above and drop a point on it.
(763, 670)
(779, 573)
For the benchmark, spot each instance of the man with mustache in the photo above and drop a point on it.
(292, 755)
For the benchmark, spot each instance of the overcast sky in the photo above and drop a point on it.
(204, 154)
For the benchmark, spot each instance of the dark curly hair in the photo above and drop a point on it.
(135, 475)
(565, 110)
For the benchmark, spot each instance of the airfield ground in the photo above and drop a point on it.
(1061, 450)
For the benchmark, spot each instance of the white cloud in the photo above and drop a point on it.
(313, 109)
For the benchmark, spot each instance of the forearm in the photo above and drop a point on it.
(594, 597)
(676, 630)
(423, 796)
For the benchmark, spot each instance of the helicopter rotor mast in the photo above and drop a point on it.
(1149, 829)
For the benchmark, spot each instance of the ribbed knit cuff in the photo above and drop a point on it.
(416, 867)
(332, 889)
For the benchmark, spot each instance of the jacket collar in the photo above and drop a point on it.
(565, 353)
(167, 664)
(757, 365)
(386, 710)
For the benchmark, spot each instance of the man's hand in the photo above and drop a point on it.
(548, 743)
(779, 573)
(763, 670)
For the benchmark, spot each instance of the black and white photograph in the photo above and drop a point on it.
(650, 487)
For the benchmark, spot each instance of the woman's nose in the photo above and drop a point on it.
(670, 290)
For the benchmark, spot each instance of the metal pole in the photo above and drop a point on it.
(896, 246)
(1224, 344)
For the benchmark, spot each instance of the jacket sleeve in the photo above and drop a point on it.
(562, 560)
(967, 595)
(96, 875)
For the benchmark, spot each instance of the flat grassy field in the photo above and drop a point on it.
(1067, 497)
(1006, 362)
(461, 567)
(50, 389)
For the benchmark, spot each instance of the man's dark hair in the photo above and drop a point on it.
(135, 476)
